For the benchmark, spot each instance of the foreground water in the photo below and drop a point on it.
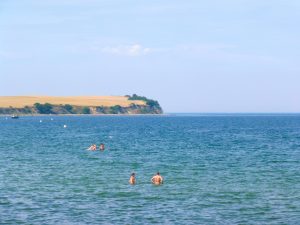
(233, 169)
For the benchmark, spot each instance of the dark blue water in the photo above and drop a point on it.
(234, 169)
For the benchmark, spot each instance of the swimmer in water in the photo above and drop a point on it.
(157, 179)
(132, 179)
(101, 147)
(92, 147)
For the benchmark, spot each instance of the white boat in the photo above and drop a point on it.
(15, 116)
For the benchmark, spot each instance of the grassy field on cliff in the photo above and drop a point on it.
(22, 101)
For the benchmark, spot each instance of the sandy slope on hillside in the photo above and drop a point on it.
(21, 101)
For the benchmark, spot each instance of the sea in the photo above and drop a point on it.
(217, 169)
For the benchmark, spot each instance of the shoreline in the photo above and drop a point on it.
(48, 115)
(158, 115)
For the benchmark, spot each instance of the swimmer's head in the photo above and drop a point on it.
(157, 173)
(133, 174)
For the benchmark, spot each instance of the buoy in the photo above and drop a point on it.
(65, 126)
(41, 121)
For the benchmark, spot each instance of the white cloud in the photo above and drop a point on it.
(205, 51)
(127, 50)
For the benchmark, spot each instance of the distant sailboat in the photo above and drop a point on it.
(15, 116)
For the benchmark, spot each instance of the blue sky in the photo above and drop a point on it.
(192, 56)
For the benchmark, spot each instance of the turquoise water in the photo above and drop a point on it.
(218, 169)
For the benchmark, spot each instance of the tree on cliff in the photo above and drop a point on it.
(43, 108)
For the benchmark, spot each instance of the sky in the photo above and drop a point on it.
(191, 56)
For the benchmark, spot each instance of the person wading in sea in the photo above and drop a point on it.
(157, 179)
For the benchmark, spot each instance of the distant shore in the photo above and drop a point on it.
(87, 115)
(77, 105)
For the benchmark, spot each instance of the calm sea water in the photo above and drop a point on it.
(234, 169)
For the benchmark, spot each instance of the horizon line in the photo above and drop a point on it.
(232, 113)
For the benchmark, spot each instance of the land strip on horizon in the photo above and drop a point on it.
(93, 101)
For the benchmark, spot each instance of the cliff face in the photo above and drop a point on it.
(148, 107)
(60, 109)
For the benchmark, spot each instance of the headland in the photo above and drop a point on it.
(95, 105)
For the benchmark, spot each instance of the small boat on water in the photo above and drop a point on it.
(15, 116)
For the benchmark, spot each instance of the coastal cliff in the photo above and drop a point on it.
(36, 105)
